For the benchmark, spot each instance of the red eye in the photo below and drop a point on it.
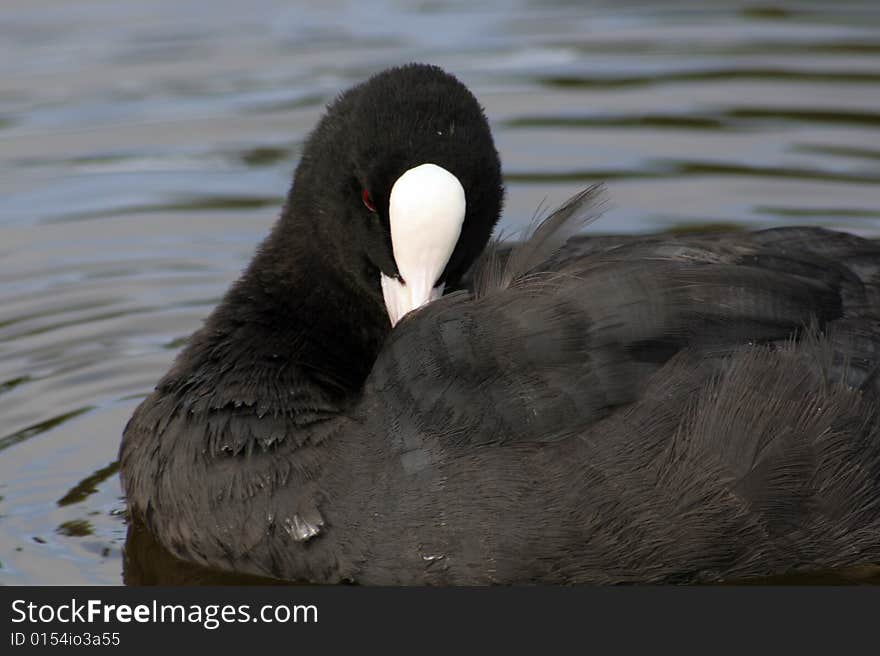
(368, 202)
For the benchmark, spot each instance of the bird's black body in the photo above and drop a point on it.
(662, 408)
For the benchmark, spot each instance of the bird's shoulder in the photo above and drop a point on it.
(558, 347)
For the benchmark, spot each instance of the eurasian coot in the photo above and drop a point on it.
(670, 408)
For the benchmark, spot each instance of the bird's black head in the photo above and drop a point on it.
(402, 182)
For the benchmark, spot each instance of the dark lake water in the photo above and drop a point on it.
(145, 148)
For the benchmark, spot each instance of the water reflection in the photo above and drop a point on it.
(146, 562)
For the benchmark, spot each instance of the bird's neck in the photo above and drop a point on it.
(297, 333)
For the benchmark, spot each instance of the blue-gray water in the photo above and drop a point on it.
(145, 148)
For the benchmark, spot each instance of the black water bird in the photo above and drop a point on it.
(668, 408)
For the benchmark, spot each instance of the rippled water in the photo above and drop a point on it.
(145, 148)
